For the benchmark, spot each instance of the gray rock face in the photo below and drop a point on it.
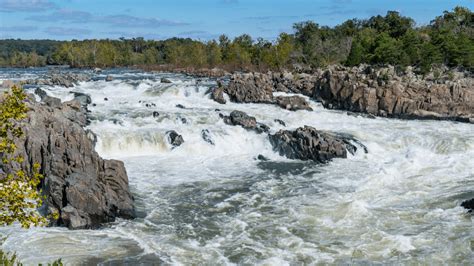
(293, 103)
(174, 138)
(239, 118)
(83, 188)
(307, 143)
(250, 88)
(217, 95)
(382, 92)
(375, 91)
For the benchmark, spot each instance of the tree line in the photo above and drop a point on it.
(391, 39)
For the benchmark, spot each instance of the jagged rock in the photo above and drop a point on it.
(468, 204)
(83, 188)
(250, 88)
(376, 91)
(307, 143)
(239, 118)
(382, 92)
(293, 103)
(109, 78)
(174, 138)
(217, 95)
(206, 136)
(165, 80)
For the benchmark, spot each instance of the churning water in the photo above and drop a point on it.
(216, 204)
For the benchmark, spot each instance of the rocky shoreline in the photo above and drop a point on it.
(385, 92)
(84, 189)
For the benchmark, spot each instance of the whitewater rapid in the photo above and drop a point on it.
(217, 204)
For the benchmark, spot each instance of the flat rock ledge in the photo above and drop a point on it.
(307, 143)
(83, 188)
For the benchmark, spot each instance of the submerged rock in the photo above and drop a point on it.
(109, 78)
(307, 143)
(165, 80)
(174, 138)
(262, 158)
(206, 136)
(83, 188)
(281, 122)
(468, 204)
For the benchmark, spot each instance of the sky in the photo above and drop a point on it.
(197, 19)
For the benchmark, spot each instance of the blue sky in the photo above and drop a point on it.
(198, 19)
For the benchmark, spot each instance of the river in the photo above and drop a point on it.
(217, 204)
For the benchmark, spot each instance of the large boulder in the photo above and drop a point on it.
(239, 118)
(174, 138)
(250, 88)
(307, 143)
(84, 189)
(293, 103)
(217, 95)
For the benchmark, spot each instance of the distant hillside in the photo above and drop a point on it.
(391, 39)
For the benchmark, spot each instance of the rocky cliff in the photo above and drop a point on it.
(83, 188)
(445, 94)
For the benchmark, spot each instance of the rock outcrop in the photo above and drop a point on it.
(446, 94)
(383, 92)
(217, 95)
(250, 88)
(307, 143)
(239, 118)
(292, 103)
(83, 188)
(66, 79)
